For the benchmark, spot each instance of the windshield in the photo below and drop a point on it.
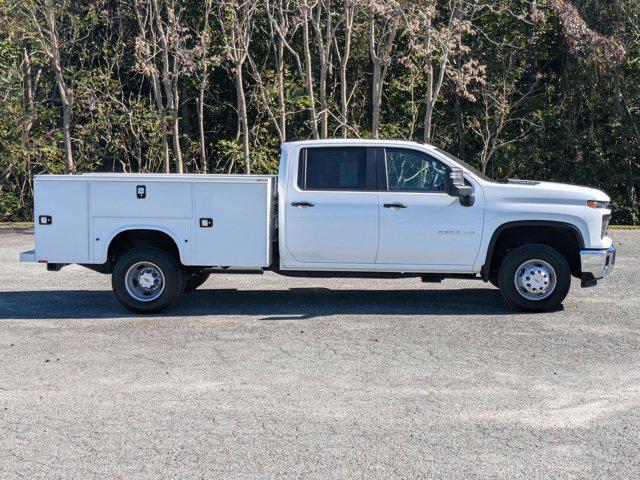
(473, 170)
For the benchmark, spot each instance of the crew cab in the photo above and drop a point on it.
(355, 208)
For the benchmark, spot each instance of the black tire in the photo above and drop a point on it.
(172, 274)
(494, 281)
(515, 259)
(195, 280)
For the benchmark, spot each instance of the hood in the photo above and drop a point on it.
(550, 191)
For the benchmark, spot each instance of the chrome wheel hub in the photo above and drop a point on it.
(535, 279)
(144, 281)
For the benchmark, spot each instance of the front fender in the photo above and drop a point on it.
(494, 227)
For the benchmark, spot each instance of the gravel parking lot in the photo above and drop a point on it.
(270, 377)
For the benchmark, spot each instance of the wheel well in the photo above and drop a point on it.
(129, 239)
(564, 238)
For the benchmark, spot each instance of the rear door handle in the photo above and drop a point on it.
(302, 204)
(394, 205)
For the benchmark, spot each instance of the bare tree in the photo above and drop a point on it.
(146, 52)
(278, 12)
(343, 54)
(43, 14)
(324, 32)
(205, 61)
(164, 39)
(276, 117)
(236, 23)
(502, 112)
(385, 19)
(437, 50)
(301, 19)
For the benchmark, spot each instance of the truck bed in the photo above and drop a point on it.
(215, 220)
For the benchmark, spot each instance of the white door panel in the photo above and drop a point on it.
(339, 228)
(331, 210)
(433, 229)
(420, 224)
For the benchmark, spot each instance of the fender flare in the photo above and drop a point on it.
(485, 271)
(151, 228)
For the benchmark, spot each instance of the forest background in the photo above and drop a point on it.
(540, 89)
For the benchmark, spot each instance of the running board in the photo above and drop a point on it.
(234, 271)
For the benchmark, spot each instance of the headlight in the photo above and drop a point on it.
(597, 204)
(605, 225)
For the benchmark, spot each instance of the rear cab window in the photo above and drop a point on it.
(336, 168)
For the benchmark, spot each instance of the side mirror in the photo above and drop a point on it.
(456, 187)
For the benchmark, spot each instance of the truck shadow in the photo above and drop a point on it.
(267, 305)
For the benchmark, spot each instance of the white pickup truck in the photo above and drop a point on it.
(354, 208)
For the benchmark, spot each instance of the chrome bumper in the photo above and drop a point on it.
(596, 264)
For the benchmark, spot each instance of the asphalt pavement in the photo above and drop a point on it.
(272, 377)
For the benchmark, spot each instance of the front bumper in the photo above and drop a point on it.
(596, 264)
(28, 257)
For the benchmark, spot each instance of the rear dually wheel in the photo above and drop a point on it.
(147, 279)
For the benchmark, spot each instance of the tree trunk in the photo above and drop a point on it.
(457, 110)
(242, 118)
(203, 148)
(175, 132)
(66, 94)
(281, 100)
(157, 92)
(67, 111)
(343, 100)
(344, 60)
(27, 83)
(376, 100)
(626, 119)
(324, 53)
(429, 104)
(309, 77)
(324, 114)
(165, 142)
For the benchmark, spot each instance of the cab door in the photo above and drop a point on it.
(332, 206)
(420, 224)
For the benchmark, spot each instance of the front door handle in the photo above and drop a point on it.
(394, 205)
(302, 204)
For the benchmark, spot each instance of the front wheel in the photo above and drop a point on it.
(534, 277)
(147, 280)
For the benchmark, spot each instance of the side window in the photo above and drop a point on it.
(337, 168)
(414, 171)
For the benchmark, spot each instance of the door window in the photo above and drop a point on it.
(414, 171)
(343, 168)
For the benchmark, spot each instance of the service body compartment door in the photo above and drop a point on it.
(232, 223)
(61, 221)
(141, 198)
